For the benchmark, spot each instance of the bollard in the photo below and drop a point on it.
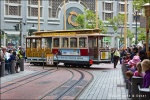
(13, 65)
(135, 91)
(2, 69)
(129, 89)
(127, 81)
(22, 64)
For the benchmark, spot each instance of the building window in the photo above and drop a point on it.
(13, 7)
(108, 6)
(107, 16)
(121, 7)
(33, 8)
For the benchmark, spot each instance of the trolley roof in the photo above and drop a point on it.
(64, 33)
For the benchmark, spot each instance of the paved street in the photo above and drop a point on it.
(107, 83)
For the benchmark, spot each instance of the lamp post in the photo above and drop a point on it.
(31, 30)
(147, 14)
(136, 17)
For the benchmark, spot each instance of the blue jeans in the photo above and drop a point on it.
(7, 65)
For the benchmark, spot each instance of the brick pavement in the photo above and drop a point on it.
(107, 84)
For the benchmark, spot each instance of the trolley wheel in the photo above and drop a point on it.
(66, 65)
(55, 64)
(88, 66)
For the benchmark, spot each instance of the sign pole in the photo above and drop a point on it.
(57, 59)
(64, 15)
(43, 59)
(39, 15)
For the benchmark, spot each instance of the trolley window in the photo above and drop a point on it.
(56, 42)
(82, 42)
(64, 42)
(38, 43)
(73, 42)
(28, 43)
(33, 44)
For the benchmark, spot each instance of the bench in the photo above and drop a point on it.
(144, 93)
(134, 86)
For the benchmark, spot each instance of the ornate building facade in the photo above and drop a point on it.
(52, 15)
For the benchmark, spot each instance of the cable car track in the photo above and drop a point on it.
(61, 88)
(67, 91)
(26, 79)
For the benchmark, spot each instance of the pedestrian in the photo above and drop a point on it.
(116, 57)
(2, 54)
(112, 55)
(13, 57)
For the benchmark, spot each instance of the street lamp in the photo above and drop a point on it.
(136, 16)
(31, 30)
(147, 14)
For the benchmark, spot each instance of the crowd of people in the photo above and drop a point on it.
(136, 58)
(8, 55)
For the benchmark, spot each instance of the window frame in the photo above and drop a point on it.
(53, 46)
(8, 4)
(77, 42)
(64, 41)
(85, 42)
(30, 6)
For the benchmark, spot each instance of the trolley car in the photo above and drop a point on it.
(71, 47)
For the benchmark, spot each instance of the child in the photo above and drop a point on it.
(146, 68)
(129, 75)
(132, 63)
(139, 70)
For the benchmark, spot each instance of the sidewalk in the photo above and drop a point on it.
(107, 84)
(11, 77)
